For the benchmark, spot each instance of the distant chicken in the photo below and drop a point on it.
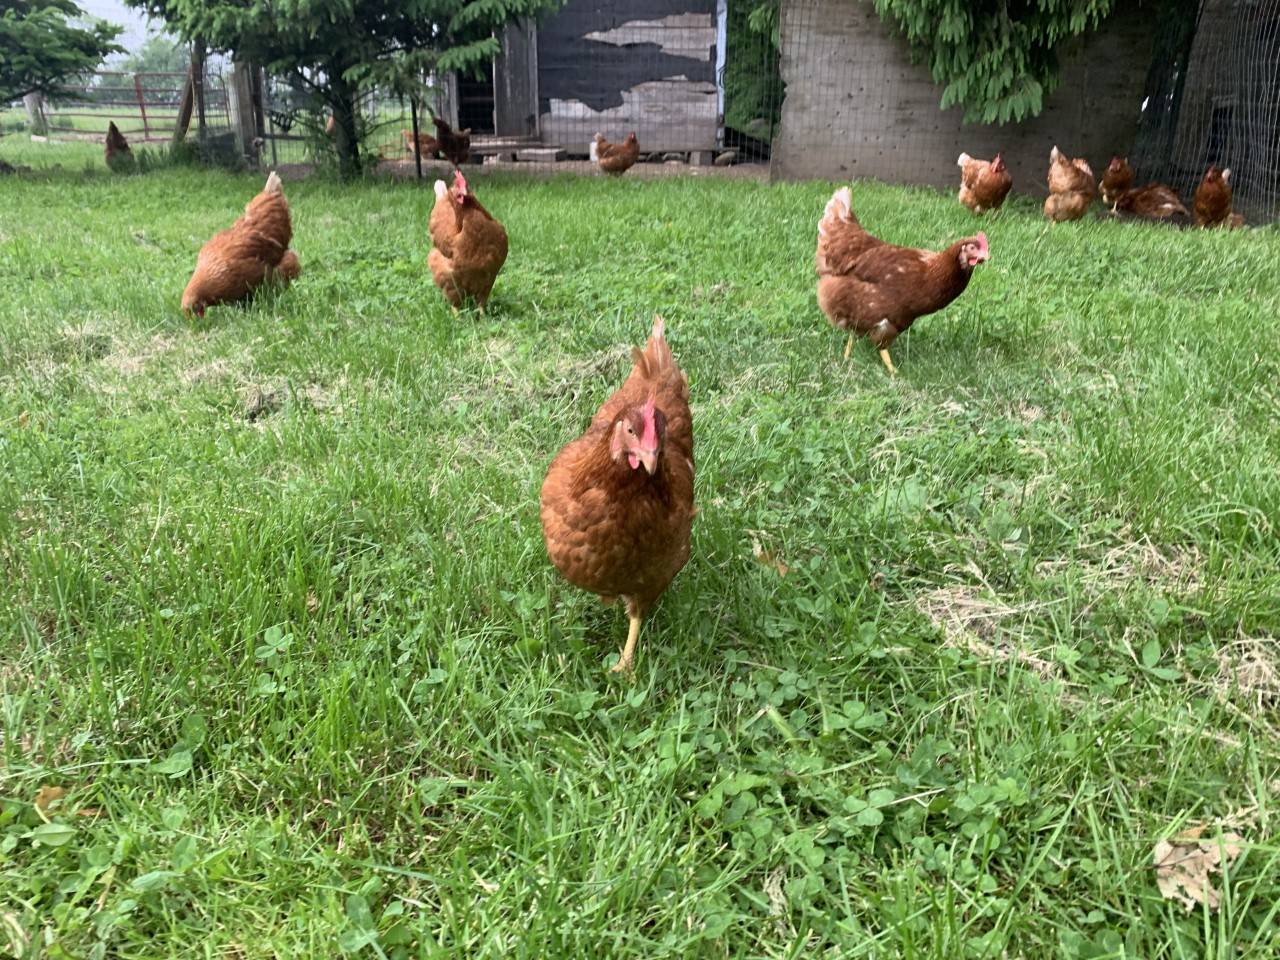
(1071, 187)
(1116, 179)
(1213, 198)
(1156, 202)
(118, 155)
(875, 289)
(470, 246)
(617, 503)
(427, 145)
(615, 158)
(252, 251)
(983, 184)
(454, 145)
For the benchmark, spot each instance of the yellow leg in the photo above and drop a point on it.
(848, 347)
(884, 355)
(629, 651)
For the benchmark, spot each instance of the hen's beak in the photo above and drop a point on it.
(649, 460)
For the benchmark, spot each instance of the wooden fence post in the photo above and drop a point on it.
(242, 118)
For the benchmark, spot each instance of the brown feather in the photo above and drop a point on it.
(613, 529)
(236, 261)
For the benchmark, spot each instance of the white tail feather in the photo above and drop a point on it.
(840, 205)
(440, 189)
(963, 159)
(1055, 155)
(659, 325)
(1226, 175)
(594, 149)
(273, 184)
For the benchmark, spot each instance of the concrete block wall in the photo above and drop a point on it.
(856, 106)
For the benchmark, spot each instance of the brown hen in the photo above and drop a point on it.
(1156, 201)
(252, 251)
(116, 150)
(615, 158)
(983, 184)
(454, 145)
(1116, 179)
(1071, 187)
(470, 246)
(1213, 198)
(877, 290)
(617, 503)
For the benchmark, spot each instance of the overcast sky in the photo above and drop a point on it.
(114, 11)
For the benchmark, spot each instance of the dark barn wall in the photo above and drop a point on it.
(643, 65)
(856, 106)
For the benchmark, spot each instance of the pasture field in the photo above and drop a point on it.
(953, 654)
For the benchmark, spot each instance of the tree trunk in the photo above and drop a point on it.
(35, 114)
(346, 138)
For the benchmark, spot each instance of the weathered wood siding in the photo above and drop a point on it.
(856, 106)
(642, 65)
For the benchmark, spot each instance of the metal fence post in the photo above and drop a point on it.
(142, 107)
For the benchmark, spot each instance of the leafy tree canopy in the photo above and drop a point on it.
(337, 48)
(43, 43)
(997, 60)
(160, 54)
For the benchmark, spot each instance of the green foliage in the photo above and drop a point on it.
(160, 54)
(338, 48)
(752, 83)
(41, 48)
(997, 61)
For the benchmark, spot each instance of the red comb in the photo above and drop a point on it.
(982, 242)
(459, 181)
(649, 437)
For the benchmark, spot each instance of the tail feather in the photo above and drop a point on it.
(594, 149)
(440, 189)
(656, 358)
(839, 207)
(963, 159)
(273, 184)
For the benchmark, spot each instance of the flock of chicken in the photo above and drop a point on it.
(617, 503)
(985, 183)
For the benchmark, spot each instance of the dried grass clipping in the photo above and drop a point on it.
(1185, 866)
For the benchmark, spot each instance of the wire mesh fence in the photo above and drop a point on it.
(1213, 97)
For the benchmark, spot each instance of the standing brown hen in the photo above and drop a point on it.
(253, 250)
(615, 158)
(469, 245)
(875, 289)
(455, 145)
(617, 503)
(983, 184)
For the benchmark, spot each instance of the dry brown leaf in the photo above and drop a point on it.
(89, 812)
(768, 558)
(46, 796)
(1184, 867)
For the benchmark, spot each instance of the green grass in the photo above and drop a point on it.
(275, 607)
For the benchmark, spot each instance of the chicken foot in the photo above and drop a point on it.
(883, 334)
(629, 651)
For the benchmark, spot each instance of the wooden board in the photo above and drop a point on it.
(642, 65)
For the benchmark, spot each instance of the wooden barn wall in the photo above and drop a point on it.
(856, 106)
(642, 65)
